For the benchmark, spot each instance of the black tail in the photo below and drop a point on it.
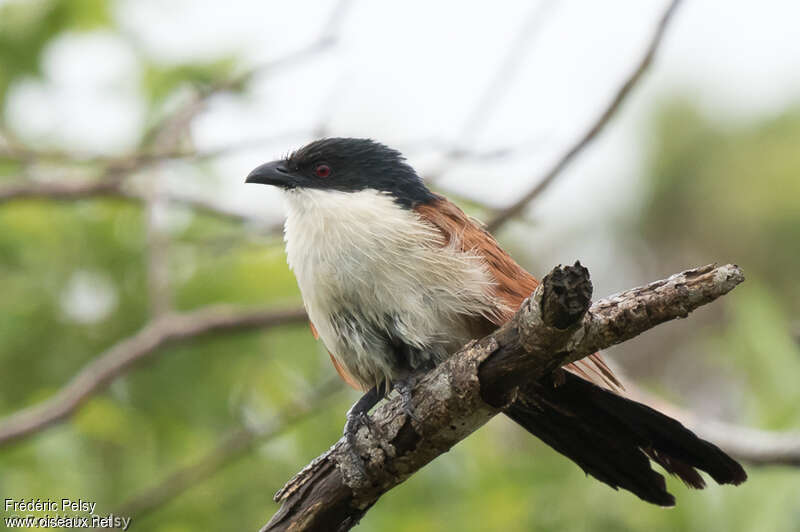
(613, 438)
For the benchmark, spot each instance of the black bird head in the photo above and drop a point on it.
(346, 165)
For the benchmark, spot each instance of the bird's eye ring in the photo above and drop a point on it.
(322, 170)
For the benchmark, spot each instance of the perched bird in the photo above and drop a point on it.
(396, 278)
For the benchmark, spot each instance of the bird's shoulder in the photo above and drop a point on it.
(512, 282)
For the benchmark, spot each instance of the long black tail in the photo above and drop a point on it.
(613, 438)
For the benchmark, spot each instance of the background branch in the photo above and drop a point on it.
(481, 113)
(88, 189)
(119, 359)
(59, 190)
(501, 217)
(457, 151)
(178, 121)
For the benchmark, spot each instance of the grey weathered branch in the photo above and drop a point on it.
(553, 327)
(504, 215)
(118, 359)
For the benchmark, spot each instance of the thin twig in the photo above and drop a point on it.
(456, 152)
(482, 111)
(162, 139)
(504, 215)
(84, 189)
(119, 359)
(182, 117)
(59, 190)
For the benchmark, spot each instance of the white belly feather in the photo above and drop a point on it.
(371, 272)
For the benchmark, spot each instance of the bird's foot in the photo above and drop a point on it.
(405, 388)
(358, 416)
(351, 426)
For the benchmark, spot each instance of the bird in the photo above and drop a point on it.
(396, 278)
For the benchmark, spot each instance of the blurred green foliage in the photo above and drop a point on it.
(729, 188)
(730, 191)
(715, 191)
(160, 81)
(27, 27)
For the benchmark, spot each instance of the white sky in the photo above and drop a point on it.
(413, 70)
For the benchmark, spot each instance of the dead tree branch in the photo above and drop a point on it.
(59, 190)
(119, 359)
(504, 215)
(553, 327)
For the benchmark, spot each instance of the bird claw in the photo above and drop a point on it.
(355, 420)
(357, 417)
(404, 388)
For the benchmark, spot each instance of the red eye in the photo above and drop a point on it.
(322, 170)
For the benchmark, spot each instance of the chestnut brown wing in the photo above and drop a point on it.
(514, 284)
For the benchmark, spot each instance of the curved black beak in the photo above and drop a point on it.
(272, 173)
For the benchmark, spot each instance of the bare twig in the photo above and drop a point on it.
(464, 392)
(231, 447)
(504, 215)
(119, 359)
(144, 157)
(162, 140)
(456, 152)
(166, 135)
(328, 36)
(482, 111)
(84, 189)
(59, 190)
(179, 120)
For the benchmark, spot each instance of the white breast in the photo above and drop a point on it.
(369, 269)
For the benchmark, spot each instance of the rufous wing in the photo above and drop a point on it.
(514, 284)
